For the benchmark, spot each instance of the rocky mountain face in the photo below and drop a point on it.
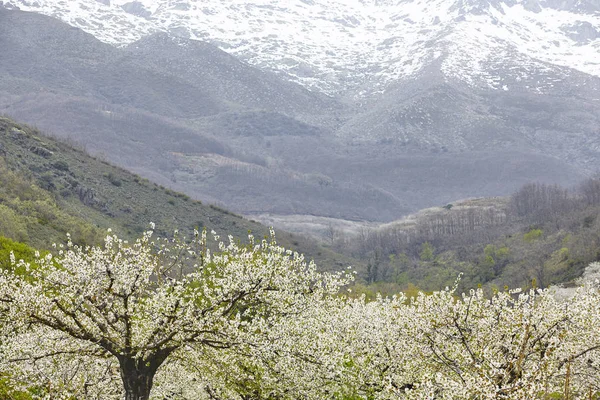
(358, 47)
(351, 109)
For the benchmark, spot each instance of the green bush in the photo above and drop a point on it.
(12, 225)
(112, 178)
(20, 251)
(61, 165)
(533, 235)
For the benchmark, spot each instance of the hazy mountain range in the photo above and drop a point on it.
(361, 110)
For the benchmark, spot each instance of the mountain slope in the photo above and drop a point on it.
(434, 114)
(225, 77)
(63, 59)
(191, 117)
(50, 188)
(360, 45)
(129, 105)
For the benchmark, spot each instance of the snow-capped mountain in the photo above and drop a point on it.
(457, 122)
(360, 46)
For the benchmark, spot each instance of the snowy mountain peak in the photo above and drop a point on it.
(361, 46)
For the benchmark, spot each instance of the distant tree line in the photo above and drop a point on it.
(459, 235)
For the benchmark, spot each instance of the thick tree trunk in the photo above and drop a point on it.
(137, 376)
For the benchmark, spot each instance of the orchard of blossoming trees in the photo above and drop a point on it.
(170, 319)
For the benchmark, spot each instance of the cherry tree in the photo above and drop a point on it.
(45, 361)
(508, 345)
(257, 322)
(146, 303)
(505, 345)
(293, 359)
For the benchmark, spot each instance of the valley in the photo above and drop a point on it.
(299, 199)
(242, 135)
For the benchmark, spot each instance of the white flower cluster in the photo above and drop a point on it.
(168, 318)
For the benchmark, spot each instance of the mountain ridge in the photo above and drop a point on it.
(362, 46)
(191, 117)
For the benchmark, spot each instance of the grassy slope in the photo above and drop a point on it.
(49, 188)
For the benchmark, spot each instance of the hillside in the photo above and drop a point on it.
(542, 235)
(188, 115)
(49, 188)
(431, 169)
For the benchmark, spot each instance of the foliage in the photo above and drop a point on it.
(256, 322)
(129, 308)
(426, 253)
(11, 225)
(542, 233)
(30, 214)
(532, 235)
(10, 251)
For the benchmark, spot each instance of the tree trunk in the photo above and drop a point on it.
(137, 376)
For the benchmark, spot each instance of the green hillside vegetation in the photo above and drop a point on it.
(30, 214)
(540, 236)
(49, 188)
